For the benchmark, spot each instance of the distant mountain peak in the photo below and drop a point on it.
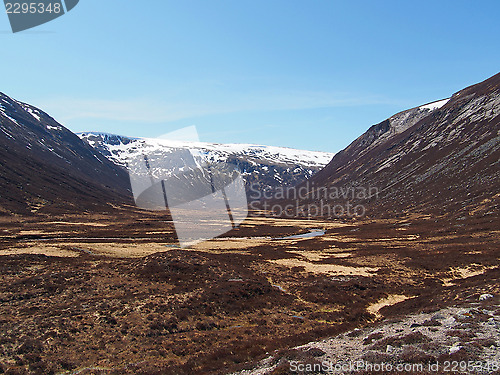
(268, 167)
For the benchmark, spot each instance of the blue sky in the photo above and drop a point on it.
(303, 74)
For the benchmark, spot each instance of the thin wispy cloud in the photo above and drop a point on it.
(143, 110)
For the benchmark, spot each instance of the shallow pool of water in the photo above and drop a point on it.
(312, 233)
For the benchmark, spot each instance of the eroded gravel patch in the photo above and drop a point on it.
(454, 334)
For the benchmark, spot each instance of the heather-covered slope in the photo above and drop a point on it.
(44, 167)
(443, 161)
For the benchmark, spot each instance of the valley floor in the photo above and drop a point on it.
(113, 295)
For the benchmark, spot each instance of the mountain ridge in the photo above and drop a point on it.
(45, 167)
(442, 163)
(262, 167)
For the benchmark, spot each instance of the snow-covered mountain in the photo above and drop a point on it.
(262, 167)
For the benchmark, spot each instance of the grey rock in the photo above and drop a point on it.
(484, 297)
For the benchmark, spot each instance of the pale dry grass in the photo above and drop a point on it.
(74, 249)
(464, 273)
(88, 224)
(306, 224)
(124, 250)
(331, 269)
(388, 301)
(41, 249)
(218, 245)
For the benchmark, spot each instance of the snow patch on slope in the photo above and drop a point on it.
(435, 105)
(32, 112)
